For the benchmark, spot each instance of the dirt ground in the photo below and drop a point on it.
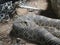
(6, 28)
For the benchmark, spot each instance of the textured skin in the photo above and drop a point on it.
(38, 29)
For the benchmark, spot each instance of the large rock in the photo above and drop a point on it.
(56, 6)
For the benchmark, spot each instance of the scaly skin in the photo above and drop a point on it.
(38, 29)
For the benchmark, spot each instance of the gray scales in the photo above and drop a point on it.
(37, 29)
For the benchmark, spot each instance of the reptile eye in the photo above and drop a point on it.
(1, 15)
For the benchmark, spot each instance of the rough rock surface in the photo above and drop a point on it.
(21, 11)
(41, 4)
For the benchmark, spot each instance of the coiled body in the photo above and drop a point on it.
(37, 29)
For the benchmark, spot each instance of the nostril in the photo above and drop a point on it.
(25, 22)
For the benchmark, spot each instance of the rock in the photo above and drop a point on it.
(33, 28)
(56, 7)
(5, 29)
(21, 11)
(41, 4)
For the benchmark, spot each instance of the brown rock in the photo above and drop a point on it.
(41, 4)
(21, 11)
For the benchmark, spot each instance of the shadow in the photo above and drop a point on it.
(4, 1)
(49, 12)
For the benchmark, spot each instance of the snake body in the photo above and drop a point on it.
(38, 29)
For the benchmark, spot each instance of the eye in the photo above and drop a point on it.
(2, 15)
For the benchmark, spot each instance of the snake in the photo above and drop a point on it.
(37, 29)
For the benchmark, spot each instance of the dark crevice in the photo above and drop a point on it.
(4, 1)
(49, 12)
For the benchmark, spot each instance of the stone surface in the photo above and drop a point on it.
(21, 11)
(5, 29)
(41, 4)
